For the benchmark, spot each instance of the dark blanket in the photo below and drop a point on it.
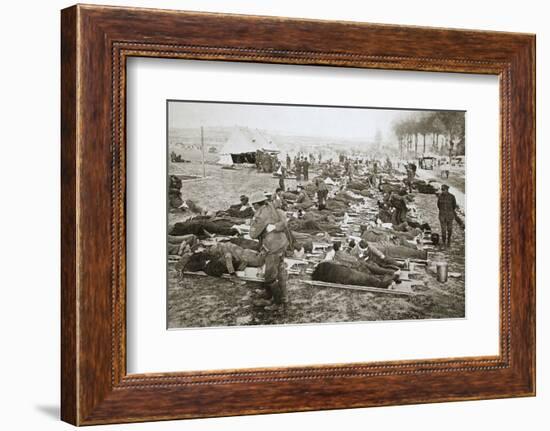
(358, 185)
(336, 205)
(195, 262)
(250, 244)
(417, 225)
(218, 267)
(304, 226)
(424, 187)
(333, 273)
(389, 187)
(198, 227)
(203, 262)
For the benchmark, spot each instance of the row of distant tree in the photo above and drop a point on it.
(438, 132)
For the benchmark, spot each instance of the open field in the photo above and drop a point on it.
(198, 301)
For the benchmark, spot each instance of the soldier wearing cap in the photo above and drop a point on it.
(303, 201)
(240, 210)
(447, 206)
(269, 227)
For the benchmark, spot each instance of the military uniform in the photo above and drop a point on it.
(322, 193)
(298, 167)
(240, 211)
(279, 202)
(447, 206)
(375, 255)
(269, 227)
(282, 177)
(400, 214)
(231, 253)
(303, 201)
(305, 169)
(410, 177)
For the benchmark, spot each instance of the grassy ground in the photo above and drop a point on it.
(206, 301)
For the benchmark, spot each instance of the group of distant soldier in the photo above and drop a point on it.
(265, 162)
(301, 166)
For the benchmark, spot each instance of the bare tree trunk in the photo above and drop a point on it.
(415, 145)
(424, 144)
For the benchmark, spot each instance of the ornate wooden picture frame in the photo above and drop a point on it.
(96, 41)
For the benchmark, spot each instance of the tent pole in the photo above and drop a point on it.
(202, 148)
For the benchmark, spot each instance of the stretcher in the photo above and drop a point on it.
(403, 289)
(405, 275)
(418, 261)
(226, 276)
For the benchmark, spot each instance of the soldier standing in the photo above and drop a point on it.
(410, 175)
(269, 227)
(400, 209)
(281, 172)
(305, 168)
(447, 206)
(298, 167)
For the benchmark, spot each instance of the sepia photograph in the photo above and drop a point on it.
(284, 214)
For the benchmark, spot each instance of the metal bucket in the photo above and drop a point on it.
(442, 271)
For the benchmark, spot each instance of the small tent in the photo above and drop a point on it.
(240, 147)
(243, 145)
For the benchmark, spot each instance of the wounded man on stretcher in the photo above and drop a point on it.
(221, 258)
(368, 264)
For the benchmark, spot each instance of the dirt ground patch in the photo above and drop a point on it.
(197, 301)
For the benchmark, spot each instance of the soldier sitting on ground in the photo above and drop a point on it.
(240, 210)
(303, 201)
(279, 200)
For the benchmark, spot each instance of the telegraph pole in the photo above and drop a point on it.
(202, 148)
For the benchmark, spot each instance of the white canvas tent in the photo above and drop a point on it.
(241, 146)
(225, 159)
(239, 142)
(266, 143)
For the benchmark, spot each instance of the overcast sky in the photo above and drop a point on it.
(286, 120)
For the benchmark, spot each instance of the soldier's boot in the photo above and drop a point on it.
(282, 287)
(278, 298)
(277, 293)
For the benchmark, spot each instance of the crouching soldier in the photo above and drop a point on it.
(322, 193)
(269, 227)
